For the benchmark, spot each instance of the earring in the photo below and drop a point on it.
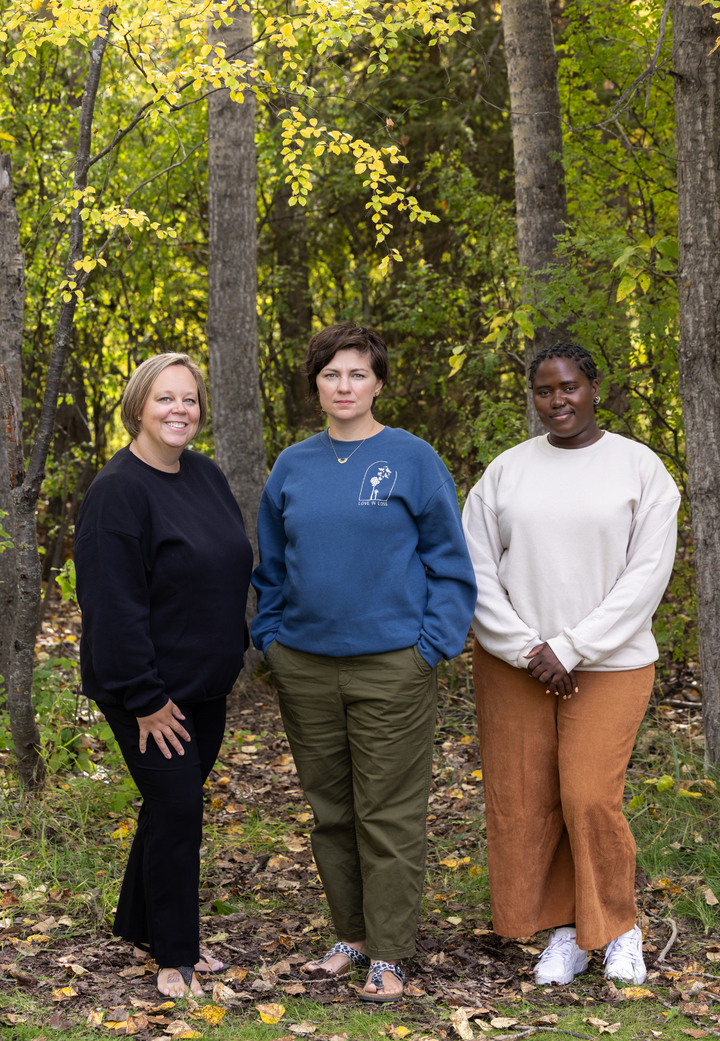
(377, 393)
(596, 400)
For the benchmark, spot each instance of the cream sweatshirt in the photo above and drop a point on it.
(574, 547)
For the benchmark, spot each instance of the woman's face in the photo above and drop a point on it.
(171, 414)
(347, 385)
(563, 397)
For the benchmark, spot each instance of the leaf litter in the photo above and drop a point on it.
(264, 915)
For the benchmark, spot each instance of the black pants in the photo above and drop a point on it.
(158, 902)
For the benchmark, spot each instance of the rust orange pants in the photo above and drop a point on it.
(559, 847)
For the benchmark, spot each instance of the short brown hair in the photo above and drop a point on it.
(140, 384)
(346, 336)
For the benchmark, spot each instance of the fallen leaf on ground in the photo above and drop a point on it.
(547, 1021)
(278, 863)
(454, 921)
(217, 938)
(94, 1019)
(527, 987)
(64, 993)
(710, 897)
(297, 988)
(635, 993)
(612, 1029)
(459, 1020)
(503, 1021)
(221, 993)
(236, 973)
(411, 991)
(454, 862)
(529, 950)
(211, 1014)
(271, 1013)
(132, 972)
(400, 1032)
(693, 1033)
(40, 938)
(595, 1022)
(76, 970)
(59, 1021)
(303, 1029)
(180, 1029)
(13, 1017)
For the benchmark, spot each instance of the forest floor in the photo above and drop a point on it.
(263, 910)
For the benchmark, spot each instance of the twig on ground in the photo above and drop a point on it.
(528, 1031)
(673, 935)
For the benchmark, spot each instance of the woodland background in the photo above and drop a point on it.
(155, 220)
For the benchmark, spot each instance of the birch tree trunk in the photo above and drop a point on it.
(26, 738)
(12, 300)
(696, 73)
(232, 303)
(537, 147)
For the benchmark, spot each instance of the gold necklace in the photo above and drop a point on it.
(347, 456)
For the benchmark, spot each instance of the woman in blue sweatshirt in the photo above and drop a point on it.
(364, 584)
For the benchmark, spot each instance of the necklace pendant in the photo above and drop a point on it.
(343, 460)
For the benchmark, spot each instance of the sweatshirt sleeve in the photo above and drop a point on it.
(499, 628)
(450, 581)
(631, 603)
(269, 576)
(115, 603)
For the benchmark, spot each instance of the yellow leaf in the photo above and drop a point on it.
(635, 993)
(477, 773)
(63, 993)
(689, 795)
(94, 1019)
(454, 921)
(400, 1032)
(454, 863)
(39, 938)
(475, 870)
(3, 135)
(211, 1014)
(271, 1013)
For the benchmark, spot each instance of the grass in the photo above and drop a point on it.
(63, 857)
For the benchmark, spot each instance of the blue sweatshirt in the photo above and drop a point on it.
(362, 557)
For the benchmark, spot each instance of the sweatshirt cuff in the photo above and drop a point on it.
(431, 656)
(147, 708)
(564, 652)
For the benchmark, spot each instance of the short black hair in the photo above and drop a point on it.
(582, 358)
(346, 335)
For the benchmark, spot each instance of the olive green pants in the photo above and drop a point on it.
(361, 733)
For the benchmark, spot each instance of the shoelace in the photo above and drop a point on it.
(556, 942)
(624, 945)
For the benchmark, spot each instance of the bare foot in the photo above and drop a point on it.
(338, 965)
(392, 987)
(206, 964)
(172, 985)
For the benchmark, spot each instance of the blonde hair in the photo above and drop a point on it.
(140, 384)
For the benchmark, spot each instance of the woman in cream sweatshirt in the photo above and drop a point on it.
(572, 535)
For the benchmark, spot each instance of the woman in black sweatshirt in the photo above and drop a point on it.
(163, 567)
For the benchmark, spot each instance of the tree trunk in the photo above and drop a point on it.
(26, 738)
(537, 146)
(294, 310)
(12, 300)
(696, 73)
(232, 299)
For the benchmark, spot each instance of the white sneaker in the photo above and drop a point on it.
(624, 958)
(562, 959)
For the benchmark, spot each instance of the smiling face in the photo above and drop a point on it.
(347, 386)
(563, 398)
(171, 415)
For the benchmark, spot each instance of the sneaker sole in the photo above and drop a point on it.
(543, 981)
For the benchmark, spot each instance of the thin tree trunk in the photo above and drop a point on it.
(26, 737)
(12, 300)
(696, 73)
(294, 306)
(232, 301)
(537, 147)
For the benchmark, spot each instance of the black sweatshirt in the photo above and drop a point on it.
(163, 567)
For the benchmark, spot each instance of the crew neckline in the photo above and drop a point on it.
(179, 475)
(357, 441)
(545, 445)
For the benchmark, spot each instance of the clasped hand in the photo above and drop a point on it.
(164, 726)
(547, 668)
